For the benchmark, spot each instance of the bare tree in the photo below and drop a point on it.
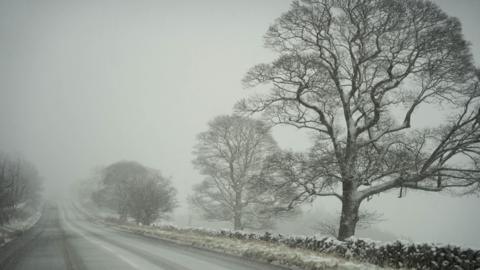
(355, 72)
(116, 180)
(151, 197)
(231, 154)
(133, 189)
(8, 175)
(20, 184)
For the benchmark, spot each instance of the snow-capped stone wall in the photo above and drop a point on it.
(396, 254)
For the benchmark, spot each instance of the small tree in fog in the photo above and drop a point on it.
(150, 197)
(134, 190)
(116, 180)
(20, 184)
(355, 73)
(231, 154)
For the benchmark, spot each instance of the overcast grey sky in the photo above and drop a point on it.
(88, 83)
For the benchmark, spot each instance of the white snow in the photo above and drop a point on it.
(273, 253)
(16, 226)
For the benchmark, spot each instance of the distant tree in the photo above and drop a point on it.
(87, 189)
(151, 197)
(116, 180)
(8, 176)
(132, 189)
(355, 73)
(20, 185)
(231, 154)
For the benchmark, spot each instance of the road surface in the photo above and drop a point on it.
(65, 239)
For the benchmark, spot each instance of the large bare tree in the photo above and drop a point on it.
(232, 154)
(356, 73)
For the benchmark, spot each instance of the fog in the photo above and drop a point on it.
(84, 84)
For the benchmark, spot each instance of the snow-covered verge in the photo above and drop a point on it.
(254, 248)
(313, 253)
(322, 253)
(15, 227)
(251, 246)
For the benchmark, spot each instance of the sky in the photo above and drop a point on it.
(84, 84)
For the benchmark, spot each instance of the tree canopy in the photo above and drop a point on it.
(134, 190)
(232, 155)
(355, 73)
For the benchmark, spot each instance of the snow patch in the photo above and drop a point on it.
(16, 227)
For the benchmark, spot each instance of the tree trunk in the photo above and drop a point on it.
(237, 215)
(349, 216)
(237, 220)
(122, 217)
(122, 214)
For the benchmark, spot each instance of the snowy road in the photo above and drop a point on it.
(64, 239)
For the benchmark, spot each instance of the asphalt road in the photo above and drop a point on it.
(65, 239)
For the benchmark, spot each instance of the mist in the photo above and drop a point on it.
(84, 84)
